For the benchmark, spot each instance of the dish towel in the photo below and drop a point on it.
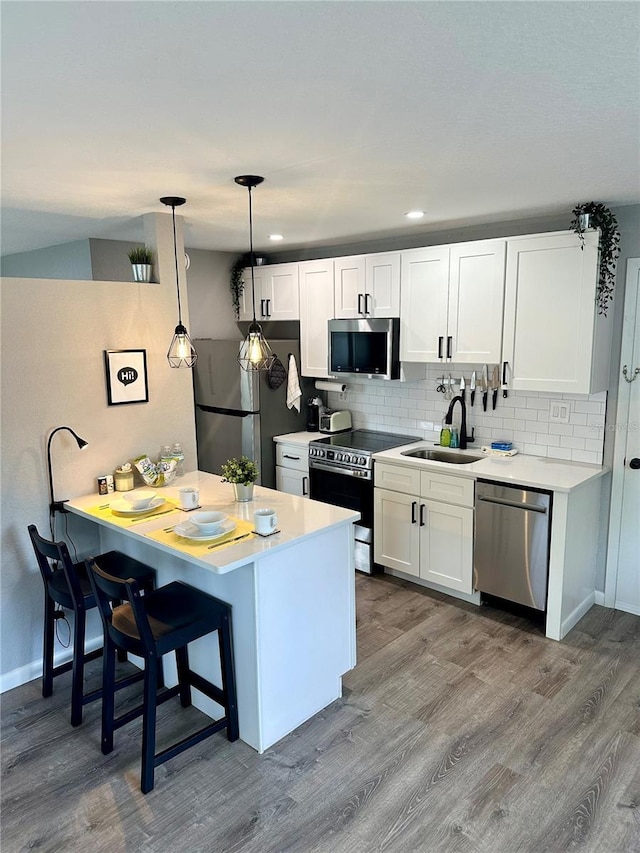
(294, 394)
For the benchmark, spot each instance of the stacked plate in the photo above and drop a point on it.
(205, 525)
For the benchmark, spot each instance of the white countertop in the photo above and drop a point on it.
(299, 437)
(537, 471)
(298, 518)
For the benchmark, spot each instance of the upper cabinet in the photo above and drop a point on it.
(554, 339)
(452, 303)
(276, 293)
(367, 286)
(316, 309)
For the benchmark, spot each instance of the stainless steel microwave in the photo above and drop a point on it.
(366, 348)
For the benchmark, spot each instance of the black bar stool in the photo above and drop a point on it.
(67, 584)
(150, 626)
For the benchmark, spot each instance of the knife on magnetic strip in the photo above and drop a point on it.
(484, 384)
(473, 387)
(495, 384)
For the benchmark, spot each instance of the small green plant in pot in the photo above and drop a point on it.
(593, 214)
(141, 258)
(242, 473)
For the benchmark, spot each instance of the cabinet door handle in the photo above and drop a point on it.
(305, 485)
(286, 456)
(421, 515)
(367, 297)
(360, 311)
(440, 339)
(449, 346)
(414, 505)
(268, 301)
(262, 307)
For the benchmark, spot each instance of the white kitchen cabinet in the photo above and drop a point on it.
(367, 286)
(554, 338)
(292, 469)
(427, 533)
(452, 303)
(276, 293)
(316, 309)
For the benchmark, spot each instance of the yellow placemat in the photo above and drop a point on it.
(123, 520)
(206, 546)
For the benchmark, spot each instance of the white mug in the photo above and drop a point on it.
(189, 497)
(264, 521)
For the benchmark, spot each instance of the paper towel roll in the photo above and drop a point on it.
(338, 387)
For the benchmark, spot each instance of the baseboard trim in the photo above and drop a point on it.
(577, 614)
(32, 671)
(628, 608)
(599, 598)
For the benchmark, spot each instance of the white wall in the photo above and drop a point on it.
(53, 337)
(65, 261)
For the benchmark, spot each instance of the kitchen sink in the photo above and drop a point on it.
(449, 456)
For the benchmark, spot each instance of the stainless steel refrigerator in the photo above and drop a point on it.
(237, 412)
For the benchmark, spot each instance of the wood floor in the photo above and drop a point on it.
(461, 729)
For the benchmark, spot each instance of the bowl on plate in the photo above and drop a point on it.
(208, 522)
(140, 498)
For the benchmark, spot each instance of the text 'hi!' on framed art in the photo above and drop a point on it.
(126, 376)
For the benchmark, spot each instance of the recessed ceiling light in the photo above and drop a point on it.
(415, 214)
(276, 236)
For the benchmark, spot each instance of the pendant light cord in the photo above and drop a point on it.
(175, 255)
(253, 287)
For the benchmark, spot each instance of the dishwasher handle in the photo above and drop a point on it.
(514, 504)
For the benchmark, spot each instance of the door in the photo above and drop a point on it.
(349, 287)
(221, 436)
(549, 315)
(424, 297)
(280, 292)
(316, 309)
(476, 301)
(622, 589)
(246, 299)
(218, 380)
(396, 535)
(382, 277)
(446, 545)
(292, 482)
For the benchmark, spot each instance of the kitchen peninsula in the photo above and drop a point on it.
(292, 596)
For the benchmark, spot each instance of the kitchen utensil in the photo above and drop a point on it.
(505, 392)
(484, 384)
(140, 499)
(151, 517)
(237, 539)
(123, 507)
(462, 387)
(449, 393)
(495, 384)
(208, 521)
(473, 387)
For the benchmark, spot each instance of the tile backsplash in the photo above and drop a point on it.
(416, 408)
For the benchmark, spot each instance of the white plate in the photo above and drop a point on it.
(122, 505)
(189, 531)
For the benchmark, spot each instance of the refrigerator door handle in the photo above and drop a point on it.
(236, 413)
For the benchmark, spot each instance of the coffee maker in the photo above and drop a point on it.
(314, 407)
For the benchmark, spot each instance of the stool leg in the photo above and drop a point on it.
(47, 651)
(108, 695)
(77, 679)
(182, 662)
(228, 677)
(149, 725)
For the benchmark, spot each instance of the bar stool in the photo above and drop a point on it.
(67, 583)
(150, 626)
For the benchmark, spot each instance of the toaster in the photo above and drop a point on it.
(335, 421)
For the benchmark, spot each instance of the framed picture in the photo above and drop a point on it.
(126, 376)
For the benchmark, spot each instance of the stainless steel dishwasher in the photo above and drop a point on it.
(511, 557)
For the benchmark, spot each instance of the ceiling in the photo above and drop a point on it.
(355, 113)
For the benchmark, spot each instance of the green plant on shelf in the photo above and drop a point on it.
(140, 255)
(600, 217)
(240, 470)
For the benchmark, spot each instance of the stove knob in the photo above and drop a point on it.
(347, 457)
(362, 461)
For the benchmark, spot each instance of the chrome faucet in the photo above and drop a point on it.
(448, 419)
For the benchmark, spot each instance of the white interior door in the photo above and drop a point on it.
(622, 589)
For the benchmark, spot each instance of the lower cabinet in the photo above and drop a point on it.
(292, 469)
(427, 533)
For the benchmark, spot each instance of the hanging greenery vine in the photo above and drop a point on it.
(236, 283)
(602, 218)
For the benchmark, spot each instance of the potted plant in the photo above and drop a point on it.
(241, 473)
(593, 214)
(236, 283)
(141, 258)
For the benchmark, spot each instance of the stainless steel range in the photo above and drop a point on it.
(341, 473)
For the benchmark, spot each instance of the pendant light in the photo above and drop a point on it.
(181, 352)
(255, 352)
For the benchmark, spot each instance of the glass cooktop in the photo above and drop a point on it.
(366, 440)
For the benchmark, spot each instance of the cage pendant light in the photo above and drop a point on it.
(255, 352)
(181, 351)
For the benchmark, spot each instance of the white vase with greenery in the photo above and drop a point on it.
(242, 473)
